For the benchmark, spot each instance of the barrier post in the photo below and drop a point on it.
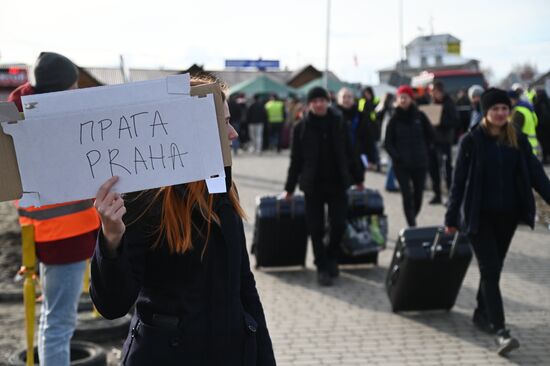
(29, 293)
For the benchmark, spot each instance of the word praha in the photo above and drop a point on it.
(132, 158)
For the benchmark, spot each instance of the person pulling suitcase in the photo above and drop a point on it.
(490, 194)
(322, 161)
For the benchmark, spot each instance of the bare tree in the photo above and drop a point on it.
(520, 73)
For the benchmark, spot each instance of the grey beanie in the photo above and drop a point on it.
(53, 72)
(475, 91)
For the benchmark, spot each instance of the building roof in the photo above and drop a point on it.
(434, 38)
(540, 80)
(113, 75)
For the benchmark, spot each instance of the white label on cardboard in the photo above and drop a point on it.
(148, 145)
(216, 185)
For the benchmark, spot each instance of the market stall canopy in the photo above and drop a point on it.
(334, 86)
(262, 84)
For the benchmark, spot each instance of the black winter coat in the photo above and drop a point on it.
(304, 155)
(465, 200)
(409, 136)
(256, 113)
(449, 121)
(221, 320)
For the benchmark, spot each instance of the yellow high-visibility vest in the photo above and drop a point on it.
(361, 106)
(530, 122)
(275, 111)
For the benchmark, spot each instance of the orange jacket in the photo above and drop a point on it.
(60, 221)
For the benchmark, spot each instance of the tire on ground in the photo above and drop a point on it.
(90, 328)
(82, 354)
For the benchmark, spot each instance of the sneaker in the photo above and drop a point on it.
(333, 270)
(505, 342)
(436, 200)
(482, 323)
(324, 279)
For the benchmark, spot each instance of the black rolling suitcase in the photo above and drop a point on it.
(366, 222)
(427, 269)
(280, 234)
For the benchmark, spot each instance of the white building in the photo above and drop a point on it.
(431, 53)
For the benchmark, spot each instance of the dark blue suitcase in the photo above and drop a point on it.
(427, 269)
(367, 202)
(280, 234)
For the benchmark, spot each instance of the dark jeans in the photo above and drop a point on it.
(490, 245)
(275, 130)
(315, 221)
(411, 182)
(440, 155)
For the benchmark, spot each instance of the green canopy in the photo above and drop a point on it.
(333, 85)
(262, 84)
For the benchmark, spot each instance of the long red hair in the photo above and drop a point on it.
(176, 218)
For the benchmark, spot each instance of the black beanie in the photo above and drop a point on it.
(53, 72)
(493, 96)
(317, 92)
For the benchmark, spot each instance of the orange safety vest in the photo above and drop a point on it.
(60, 221)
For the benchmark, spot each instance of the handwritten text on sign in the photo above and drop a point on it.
(127, 128)
(149, 145)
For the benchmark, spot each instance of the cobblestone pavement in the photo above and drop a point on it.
(352, 323)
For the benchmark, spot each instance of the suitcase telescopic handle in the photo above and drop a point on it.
(278, 208)
(438, 235)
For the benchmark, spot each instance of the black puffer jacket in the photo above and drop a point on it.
(306, 148)
(409, 135)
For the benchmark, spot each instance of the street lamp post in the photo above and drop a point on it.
(325, 76)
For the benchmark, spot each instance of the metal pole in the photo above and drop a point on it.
(400, 30)
(325, 76)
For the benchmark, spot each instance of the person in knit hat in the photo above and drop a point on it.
(322, 161)
(494, 162)
(474, 94)
(409, 136)
(65, 234)
(51, 72)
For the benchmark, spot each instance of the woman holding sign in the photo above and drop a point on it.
(180, 255)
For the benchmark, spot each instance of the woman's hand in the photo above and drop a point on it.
(450, 229)
(110, 207)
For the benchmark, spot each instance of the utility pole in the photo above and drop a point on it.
(401, 58)
(325, 76)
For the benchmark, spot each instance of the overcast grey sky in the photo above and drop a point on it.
(176, 34)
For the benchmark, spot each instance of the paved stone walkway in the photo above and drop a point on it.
(352, 323)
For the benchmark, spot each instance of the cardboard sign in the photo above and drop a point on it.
(433, 111)
(10, 180)
(151, 134)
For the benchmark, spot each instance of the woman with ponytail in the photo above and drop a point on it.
(179, 254)
(491, 193)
